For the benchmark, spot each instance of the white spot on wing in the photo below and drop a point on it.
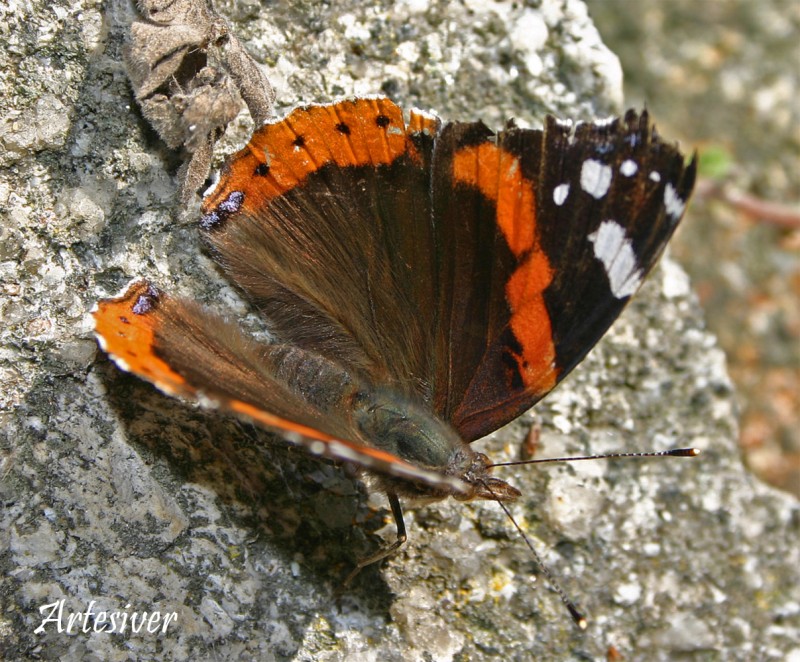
(560, 194)
(207, 401)
(213, 185)
(604, 121)
(121, 363)
(615, 251)
(672, 202)
(628, 168)
(595, 178)
(655, 177)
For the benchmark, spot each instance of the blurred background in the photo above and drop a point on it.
(724, 76)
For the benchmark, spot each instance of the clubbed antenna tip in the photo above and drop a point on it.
(684, 452)
(580, 619)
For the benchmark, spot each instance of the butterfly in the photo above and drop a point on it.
(425, 282)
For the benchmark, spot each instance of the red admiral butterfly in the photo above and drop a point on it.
(426, 283)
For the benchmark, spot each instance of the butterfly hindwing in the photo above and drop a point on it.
(188, 352)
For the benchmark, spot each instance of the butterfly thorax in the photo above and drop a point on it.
(395, 424)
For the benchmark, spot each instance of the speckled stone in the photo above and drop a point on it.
(113, 493)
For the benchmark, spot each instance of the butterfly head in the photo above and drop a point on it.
(484, 485)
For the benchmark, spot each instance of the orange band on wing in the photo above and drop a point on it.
(125, 328)
(281, 155)
(497, 174)
(275, 422)
(530, 322)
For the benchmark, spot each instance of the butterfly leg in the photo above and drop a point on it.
(397, 512)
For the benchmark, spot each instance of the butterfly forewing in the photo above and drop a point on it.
(186, 351)
(588, 214)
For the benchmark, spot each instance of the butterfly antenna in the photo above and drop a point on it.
(675, 452)
(577, 617)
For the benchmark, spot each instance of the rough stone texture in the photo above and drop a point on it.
(114, 493)
(735, 62)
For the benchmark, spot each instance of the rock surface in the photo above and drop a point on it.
(116, 494)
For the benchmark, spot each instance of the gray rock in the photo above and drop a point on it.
(114, 493)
